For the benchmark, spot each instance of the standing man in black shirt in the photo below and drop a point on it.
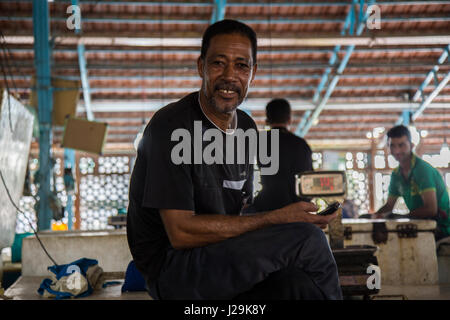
(185, 229)
(295, 156)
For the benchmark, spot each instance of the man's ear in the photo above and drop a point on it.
(200, 65)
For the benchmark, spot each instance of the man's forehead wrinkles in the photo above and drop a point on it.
(227, 51)
(241, 49)
(230, 57)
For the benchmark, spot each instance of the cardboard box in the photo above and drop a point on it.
(84, 135)
(66, 94)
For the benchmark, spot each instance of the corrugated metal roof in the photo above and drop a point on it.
(134, 70)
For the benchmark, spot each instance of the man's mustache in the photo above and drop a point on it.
(227, 86)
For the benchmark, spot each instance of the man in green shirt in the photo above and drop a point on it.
(421, 186)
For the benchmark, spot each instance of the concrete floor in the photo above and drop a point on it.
(25, 288)
(410, 292)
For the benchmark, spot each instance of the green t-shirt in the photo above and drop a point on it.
(422, 177)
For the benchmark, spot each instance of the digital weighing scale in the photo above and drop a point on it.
(354, 262)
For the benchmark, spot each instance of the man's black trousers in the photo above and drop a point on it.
(287, 261)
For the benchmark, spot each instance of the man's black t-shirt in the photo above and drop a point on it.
(158, 183)
(278, 190)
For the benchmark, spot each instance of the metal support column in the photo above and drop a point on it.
(218, 10)
(69, 163)
(347, 24)
(85, 82)
(430, 98)
(419, 93)
(302, 122)
(45, 106)
(405, 118)
(69, 154)
(83, 70)
(432, 73)
(425, 103)
(350, 24)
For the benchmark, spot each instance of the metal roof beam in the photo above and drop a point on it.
(247, 21)
(405, 118)
(260, 77)
(70, 154)
(430, 98)
(327, 72)
(432, 73)
(302, 122)
(83, 68)
(255, 88)
(181, 51)
(248, 4)
(320, 40)
(349, 24)
(218, 10)
(85, 81)
(183, 66)
(419, 93)
(252, 104)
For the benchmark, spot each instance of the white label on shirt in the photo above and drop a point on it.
(235, 185)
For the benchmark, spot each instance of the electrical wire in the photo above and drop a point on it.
(5, 78)
(6, 62)
(30, 222)
(7, 67)
(10, 62)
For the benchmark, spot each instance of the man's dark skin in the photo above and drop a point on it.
(401, 149)
(227, 71)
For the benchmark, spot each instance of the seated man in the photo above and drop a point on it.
(420, 185)
(184, 224)
(295, 156)
(349, 209)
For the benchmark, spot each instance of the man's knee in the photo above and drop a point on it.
(289, 283)
(299, 285)
(309, 234)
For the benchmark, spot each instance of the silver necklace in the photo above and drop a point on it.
(234, 121)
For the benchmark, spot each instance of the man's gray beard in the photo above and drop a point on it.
(212, 103)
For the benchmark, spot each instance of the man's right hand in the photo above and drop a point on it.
(302, 212)
(185, 229)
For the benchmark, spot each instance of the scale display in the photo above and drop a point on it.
(321, 183)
